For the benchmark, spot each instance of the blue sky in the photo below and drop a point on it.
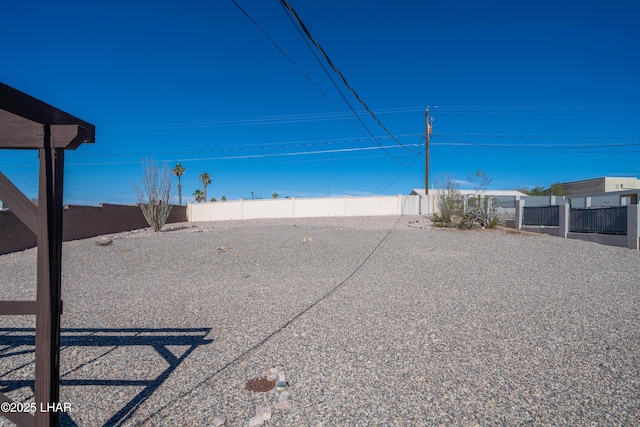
(530, 92)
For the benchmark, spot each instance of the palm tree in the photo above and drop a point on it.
(275, 195)
(198, 195)
(178, 170)
(206, 180)
(223, 199)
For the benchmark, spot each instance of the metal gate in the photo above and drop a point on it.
(598, 220)
(541, 216)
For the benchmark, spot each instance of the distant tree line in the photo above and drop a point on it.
(555, 189)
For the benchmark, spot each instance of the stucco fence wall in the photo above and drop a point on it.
(631, 240)
(80, 222)
(304, 208)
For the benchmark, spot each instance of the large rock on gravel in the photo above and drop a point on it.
(104, 241)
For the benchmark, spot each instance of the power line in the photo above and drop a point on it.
(315, 117)
(285, 4)
(339, 141)
(306, 41)
(309, 79)
(452, 142)
(251, 156)
(244, 147)
(259, 120)
(268, 145)
(531, 147)
(530, 136)
(499, 109)
(417, 156)
(585, 149)
(285, 54)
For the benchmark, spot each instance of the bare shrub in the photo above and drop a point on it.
(450, 202)
(473, 211)
(154, 193)
(480, 210)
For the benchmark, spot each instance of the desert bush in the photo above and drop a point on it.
(480, 212)
(154, 194)
(473, 211)
(451, 204)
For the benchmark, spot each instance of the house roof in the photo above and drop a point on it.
(598, 178)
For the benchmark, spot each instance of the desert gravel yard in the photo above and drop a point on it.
(373, 321)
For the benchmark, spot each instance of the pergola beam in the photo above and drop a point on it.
(24, 208)
(49, 302)
(18, 132)
(19, 418)
(23, 127)
(18, 308)
(66, 136)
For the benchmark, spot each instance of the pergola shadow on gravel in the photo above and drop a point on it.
(21, 341)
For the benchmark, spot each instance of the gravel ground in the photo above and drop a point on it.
(435, 327)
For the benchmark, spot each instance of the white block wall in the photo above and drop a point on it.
(298, 208)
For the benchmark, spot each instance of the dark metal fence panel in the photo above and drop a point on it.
(541, 215)
(598, 220)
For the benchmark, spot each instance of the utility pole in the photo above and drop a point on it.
(426, 152)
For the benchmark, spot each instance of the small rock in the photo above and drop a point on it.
(223, 249)
(281, 377)
(220, 420)
(283, 396)
(271, 377)
(256, 421)
(271, 372)
(282, 385)
(283, 404)
(307, 239)
(264, 412)
(104, 241)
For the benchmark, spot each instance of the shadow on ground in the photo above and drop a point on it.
(20, 343)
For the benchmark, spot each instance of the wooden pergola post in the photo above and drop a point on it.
(27, 123)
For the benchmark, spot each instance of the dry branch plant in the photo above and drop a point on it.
(451, 204)
(154, 194)
(471, 211)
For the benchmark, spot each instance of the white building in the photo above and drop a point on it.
(600, 185)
